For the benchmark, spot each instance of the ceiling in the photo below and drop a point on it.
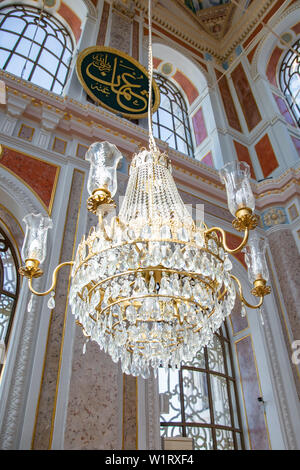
(217, 27)
(215, 17)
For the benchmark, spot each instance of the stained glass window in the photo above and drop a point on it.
(35, 46)
(171, 120)
(289, 79)
(9, 286)
(202, 400)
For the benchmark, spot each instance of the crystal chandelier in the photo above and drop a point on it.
(149, 285)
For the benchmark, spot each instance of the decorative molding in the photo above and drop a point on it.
(17, 387)
(16, 103)
(126, 7)
(256, 59)
(278, 384)
(20, 367)
(274, 216)
(204, 42)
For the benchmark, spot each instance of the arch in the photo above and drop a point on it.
(18, 201)
(35, 45)
(170, 121)
(71, 14)
(289, 79)
(270, 51)
(9, 285)
(18, 198)
(189, 77)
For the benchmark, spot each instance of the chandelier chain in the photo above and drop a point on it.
(152, 143)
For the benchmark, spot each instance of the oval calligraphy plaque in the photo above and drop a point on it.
(116, 81)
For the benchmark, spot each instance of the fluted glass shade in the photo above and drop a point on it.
(104, 158)
(255, 258)
(235, 175)
(35, 241)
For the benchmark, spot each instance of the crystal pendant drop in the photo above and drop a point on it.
(141, 284)
(175, 285)
(151, 283)
(186, 289)
(84, 346)
(146, 232)
(261, 313)
(165, 232)
(177, 258)
(164, 285)
(227, 263)
(51, 301)
(29, 306)
(243, 311)
(131, 314)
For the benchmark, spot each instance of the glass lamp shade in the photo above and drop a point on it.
(235, 175)
(255, 258)
(104, 158)
(35, 241)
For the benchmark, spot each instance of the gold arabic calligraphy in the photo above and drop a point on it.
(124, 85)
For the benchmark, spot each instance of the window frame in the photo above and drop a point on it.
(33, 16)
(168, 88)
(289, 59)
(230, 378)
(9, 245)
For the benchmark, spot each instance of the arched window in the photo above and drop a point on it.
(9, 286)
(35, 46)
(201, 399)
(289, 78)
(171, 120)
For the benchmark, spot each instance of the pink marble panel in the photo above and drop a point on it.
(243, 155)
(187, 86)
(287, 263)
(129, 413)
(228, 102)
(257, 428)
(199, 126)
(103, 24)
(266, 155)
(39, 175)
(284, 110)
(208, 160)
(297, 144)
(238, 322)
(93, 409)
(246, 97)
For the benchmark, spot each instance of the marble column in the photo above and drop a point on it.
(286, 261)
(45, 413)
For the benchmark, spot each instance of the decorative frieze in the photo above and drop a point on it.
(273, 216)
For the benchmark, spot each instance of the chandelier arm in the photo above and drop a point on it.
(54, 279)
(225, 246)
(242, 298)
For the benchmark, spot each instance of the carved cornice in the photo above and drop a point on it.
(204, 42)
(125, 7)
